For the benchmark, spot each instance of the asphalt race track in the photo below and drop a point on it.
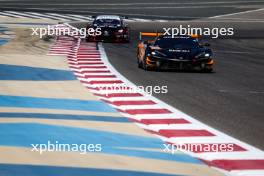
(153, 9)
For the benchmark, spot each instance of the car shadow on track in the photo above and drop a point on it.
(181, 71)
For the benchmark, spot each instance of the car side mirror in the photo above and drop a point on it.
(206, 44)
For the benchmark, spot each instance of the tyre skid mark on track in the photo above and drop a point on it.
(166, 122)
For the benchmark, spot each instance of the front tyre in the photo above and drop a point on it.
(144, 65)
(207, 70)
(139, 63)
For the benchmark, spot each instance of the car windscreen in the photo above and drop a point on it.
(176, 43)
(113, 22)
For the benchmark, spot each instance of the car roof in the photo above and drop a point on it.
(116, 17)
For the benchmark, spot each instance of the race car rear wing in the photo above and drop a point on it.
(121, 17)
(196, 36)
(149, 34)
(156, 34)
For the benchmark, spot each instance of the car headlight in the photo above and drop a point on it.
(158, 54)
(202, 55)
(206, 55)
(153, 53)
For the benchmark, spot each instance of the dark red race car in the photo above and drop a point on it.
(111, 28)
